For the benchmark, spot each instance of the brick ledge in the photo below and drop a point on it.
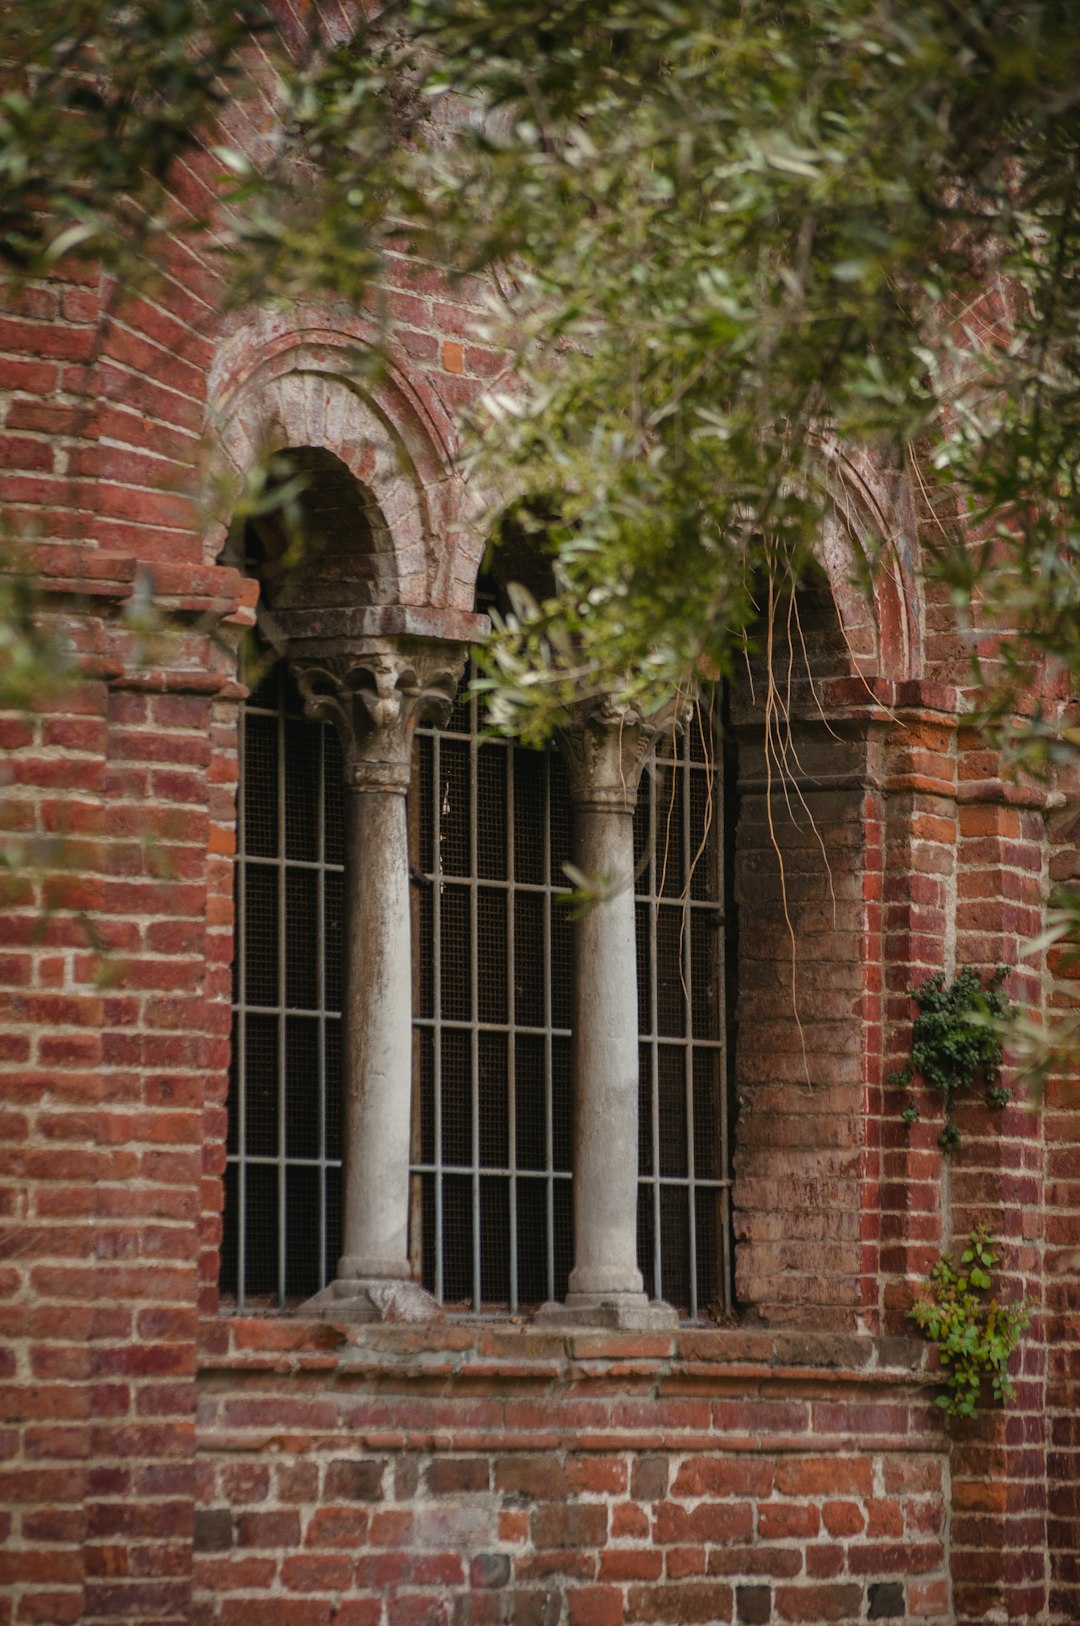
(679, 1361)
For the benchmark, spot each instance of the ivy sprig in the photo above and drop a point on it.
(956, 1041)
(975, 1335)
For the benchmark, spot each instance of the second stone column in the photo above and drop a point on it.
(606, 747)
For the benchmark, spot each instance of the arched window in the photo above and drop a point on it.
(489, 830)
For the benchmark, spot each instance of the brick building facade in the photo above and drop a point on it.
(170, 1454)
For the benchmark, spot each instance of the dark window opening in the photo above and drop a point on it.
(489, 826)
(492, 1223)
(282, 1234)
(683, 1158)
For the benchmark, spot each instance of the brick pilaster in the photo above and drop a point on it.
(999, 1552)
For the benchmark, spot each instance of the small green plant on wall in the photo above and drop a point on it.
(974, 1334)
(955, 1042)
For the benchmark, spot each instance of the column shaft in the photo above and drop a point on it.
(605, 746)
(375, 690)
(605, 1063)
(378, 1038)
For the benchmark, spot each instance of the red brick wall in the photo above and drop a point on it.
(105, 1034)
(1061, 1257)
(496, 1474)
(919, 940)
(809, 1011)
(801, 1123)
(999, 1535)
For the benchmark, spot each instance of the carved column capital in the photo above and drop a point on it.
(375, 690)
(606, 744)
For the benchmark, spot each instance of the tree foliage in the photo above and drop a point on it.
(728, 237)
(733, 236)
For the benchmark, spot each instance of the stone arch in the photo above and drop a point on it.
(283, 382)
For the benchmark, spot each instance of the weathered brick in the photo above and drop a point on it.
(631, 1564)
(885, 1600)
(649, 1479)
(689, 1602)
(354, 1481)
(777, 1521)
(540, 1478)
(824, 1476)
(490, 1570)
(337, 1527)
(569, 1525)
(322, 1572)
(839, 1601)
(270, 1528)
(753, 1605)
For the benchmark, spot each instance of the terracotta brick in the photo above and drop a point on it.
(782, 1519)
(691, 1601)
(279, 1528)
(723, 1476)
(337, 1527)
(540, 1478)
(596, 1476)
(839, 1601)
(631, 1564)
(707, 1522)
(843, 1518)
(595, 1606)
(679, 1562)
(629, 1521)
(817, 1476)
(323, 1572)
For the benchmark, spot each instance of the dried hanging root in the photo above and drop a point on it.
(771, 724)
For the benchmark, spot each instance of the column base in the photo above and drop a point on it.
(353, 1299)
(622, 1312)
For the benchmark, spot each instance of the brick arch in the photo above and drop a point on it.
(869, 540)
(275, 386)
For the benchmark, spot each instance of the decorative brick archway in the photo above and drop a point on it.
(310, 385)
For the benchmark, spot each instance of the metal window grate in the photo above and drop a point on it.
(492, 1223)
(491, 1192)
(490, 829)
(684, 1192)
(282, 1228)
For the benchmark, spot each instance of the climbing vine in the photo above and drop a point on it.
(956, 1043)
(974, 1334)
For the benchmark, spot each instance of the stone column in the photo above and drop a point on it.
(606, 746)
(376, 693)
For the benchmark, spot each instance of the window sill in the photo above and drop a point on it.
(478, 1349)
